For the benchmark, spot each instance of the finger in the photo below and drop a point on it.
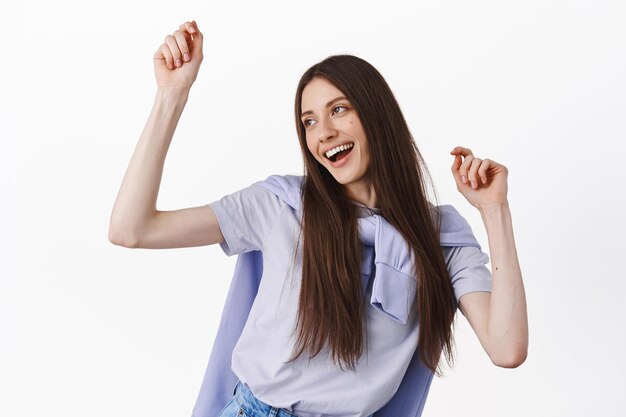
(188, 30)
(183, 39)
(467, 155)
(195, 44)
(165, 53)
(170, 41)
(455, 168)
(461, 151)
(467, 163)
(482, 171)
(471, 175)
(457, 163)
(188, 27)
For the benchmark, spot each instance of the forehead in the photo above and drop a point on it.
(317, 92)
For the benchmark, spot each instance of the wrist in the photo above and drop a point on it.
(493, 208)
(171, 98)
(173, 92)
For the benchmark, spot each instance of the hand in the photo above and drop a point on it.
(187, 39)
(485, 180)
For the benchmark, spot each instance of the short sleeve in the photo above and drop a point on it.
(468, 270)
(246, 217)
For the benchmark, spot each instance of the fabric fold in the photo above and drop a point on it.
(393, 291)
(395, 281)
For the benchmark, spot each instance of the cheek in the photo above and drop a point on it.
(311, 149)
(366, 150)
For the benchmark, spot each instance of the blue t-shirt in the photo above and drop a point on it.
(254, 218)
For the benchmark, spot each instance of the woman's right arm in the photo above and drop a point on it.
(135, 222)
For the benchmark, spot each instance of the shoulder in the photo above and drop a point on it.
(451, 219)
(284, 182)
(455, 230)
(286, 187)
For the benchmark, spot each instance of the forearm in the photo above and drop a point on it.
(508, 322)
(136, 199)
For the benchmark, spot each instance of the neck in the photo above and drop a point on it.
(362, 191)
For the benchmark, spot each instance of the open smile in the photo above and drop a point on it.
(340, 158)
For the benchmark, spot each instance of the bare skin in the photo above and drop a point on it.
(499, 318)
(135, 222)
(328, 126)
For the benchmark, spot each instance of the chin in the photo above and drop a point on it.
(346, 178)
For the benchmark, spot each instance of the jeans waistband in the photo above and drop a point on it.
(252, 406)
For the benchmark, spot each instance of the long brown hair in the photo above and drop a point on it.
(331, 306)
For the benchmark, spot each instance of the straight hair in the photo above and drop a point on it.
(331, 307)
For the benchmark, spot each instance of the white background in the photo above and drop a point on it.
(90, 328)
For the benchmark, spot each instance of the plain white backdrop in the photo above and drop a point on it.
(90, 328)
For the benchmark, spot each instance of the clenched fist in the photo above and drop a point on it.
(177, 61)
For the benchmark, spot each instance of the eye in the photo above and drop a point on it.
(337, 107)
(305, 122)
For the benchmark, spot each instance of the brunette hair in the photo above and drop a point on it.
(331, 306)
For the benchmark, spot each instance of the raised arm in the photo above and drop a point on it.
(135, 221)
(499, 318)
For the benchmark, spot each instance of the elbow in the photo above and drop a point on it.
(512, 359)
(121, 239)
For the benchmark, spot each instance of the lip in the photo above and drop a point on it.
(334, 146)
(342, 162)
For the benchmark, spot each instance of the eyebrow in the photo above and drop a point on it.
(327, 105)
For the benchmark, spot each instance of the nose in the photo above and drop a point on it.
(326, 130)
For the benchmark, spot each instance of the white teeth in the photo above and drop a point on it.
(337, 149)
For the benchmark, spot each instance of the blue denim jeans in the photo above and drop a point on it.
(245, 404)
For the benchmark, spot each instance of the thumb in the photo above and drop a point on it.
(197, 41)
(455, 168)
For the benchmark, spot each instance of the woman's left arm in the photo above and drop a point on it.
(499, 318)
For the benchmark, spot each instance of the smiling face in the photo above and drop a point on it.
(330, 120)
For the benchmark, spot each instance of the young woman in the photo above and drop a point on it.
(361, 274)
